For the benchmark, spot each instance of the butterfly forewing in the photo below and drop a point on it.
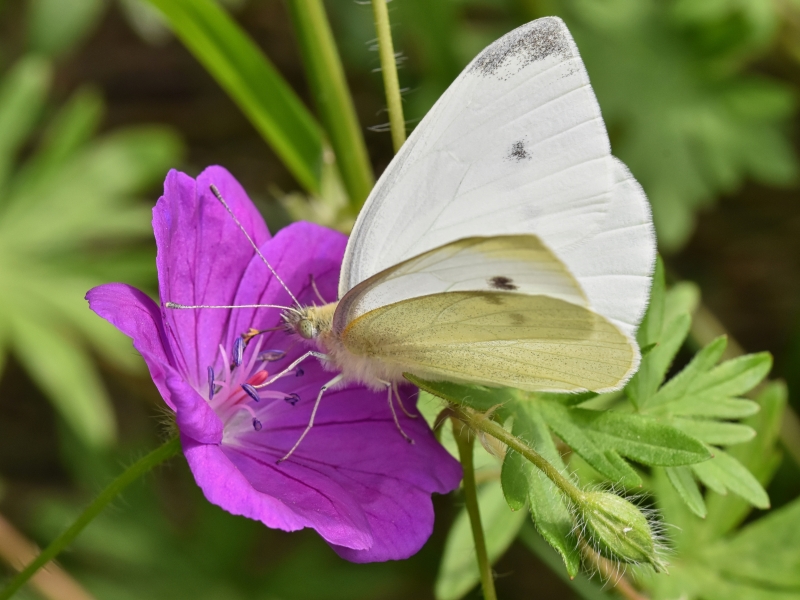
(516, 145)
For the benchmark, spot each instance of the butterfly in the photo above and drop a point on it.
(503, 246)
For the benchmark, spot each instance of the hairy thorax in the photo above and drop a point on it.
(315, 323)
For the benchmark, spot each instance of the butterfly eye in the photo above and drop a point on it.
(306, 329)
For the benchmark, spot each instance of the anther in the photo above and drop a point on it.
(238, 351)
(271, 355)
(210, 383)
(256, 424)
(292, 398)
(251, 391)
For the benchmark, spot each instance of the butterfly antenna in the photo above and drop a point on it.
(193, 306)
(216, 193)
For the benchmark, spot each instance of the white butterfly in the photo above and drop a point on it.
(503, 246)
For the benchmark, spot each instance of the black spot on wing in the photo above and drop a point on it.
(530, 43)
(518, 152)
(502, 283)
(517, 319)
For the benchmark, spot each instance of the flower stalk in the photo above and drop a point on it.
(465, 441)
(131, 474)
(391, 84)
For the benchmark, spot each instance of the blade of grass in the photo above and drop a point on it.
(251, 80)
(332, 96)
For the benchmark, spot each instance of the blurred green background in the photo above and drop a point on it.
(98, 100)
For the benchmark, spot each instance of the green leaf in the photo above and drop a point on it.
(714, 432)
(766, 552)
(68, 376)
(458, 571)
(522, 482)
(642, 439)
(251, 80)
(724, 472)
(335, 105)
(56, 26)
(666, 325)
(581, 585)
(72, 127)
(22, 94)
(760, 456)
(684, 483)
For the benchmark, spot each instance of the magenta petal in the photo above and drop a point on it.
(202, 255)
(353, 468)
(240, 482)
(136, 315)
(194, 417)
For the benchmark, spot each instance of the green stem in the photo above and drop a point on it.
(482, 423)
(389, 70)
(136, 470)
(465, 441)
(332, 97)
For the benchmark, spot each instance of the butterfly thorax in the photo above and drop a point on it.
(315, 323)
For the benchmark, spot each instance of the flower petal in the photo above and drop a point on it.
(202, 255)
(193, 415)
(354, 477)
(136, 315)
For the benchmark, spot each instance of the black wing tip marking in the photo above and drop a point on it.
(518, 152)
(530, 43)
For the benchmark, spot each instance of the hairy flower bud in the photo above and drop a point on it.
(618, 530)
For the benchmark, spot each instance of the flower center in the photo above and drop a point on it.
(235, 392)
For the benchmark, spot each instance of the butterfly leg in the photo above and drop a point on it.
(292, 366)
(332, 382)
(400, 402)
(389, 388)
(316, 289)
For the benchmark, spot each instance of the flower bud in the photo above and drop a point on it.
(618, 530)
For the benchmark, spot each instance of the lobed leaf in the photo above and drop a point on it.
(22, 95)
(724, 473)
(684, 483)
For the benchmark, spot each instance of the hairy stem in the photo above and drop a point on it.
(389, 70)
(482, 423)
(131, 474)
(465, 441)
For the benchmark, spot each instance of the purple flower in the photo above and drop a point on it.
(353, 478)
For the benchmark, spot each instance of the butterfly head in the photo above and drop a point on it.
(309, 322)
